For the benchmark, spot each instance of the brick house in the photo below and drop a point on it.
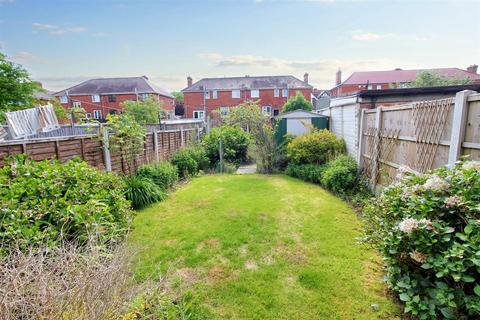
(102, 96)
(379, 80)
(271, 92)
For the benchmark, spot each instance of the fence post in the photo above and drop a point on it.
(460, 112)
(155, 144)
(106, 151)
(182, 138)
(376, 155)
(360, 139)
(198, 133)
(220, 147)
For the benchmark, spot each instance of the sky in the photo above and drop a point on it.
(64, 42)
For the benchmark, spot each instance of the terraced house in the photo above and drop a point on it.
(271, 92)
(102, 96)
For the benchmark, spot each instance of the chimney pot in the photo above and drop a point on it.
(189, 81)
(338, 79)
(305, 77)
(473, 68)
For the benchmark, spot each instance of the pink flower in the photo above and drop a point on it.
(453, 201)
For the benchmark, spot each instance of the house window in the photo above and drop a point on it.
(112, 98)
(207, 94)
(235, 94)
(267, 110)
(379, 87)
(214, 94)
(97, 114)
(276, 112)
(284, 93)
(254, 94)
(224, 111)
(276, 93)
(369, 87)
(145, 96)
(197, 114)
(77, 104)
(63, 99)
(96, 98)
(88, 115)
(112, 111)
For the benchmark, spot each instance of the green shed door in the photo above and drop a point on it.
(320, 123)
(281, 130)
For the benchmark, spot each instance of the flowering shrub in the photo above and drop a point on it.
(427, 228)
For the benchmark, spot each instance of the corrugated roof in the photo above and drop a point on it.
(394, 76)
(248, 82)
(114, 86)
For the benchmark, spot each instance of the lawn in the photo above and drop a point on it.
(262, 247)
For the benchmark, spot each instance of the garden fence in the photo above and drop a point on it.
(421, 135)
(158, 145)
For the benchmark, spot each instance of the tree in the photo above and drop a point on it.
(247, 115)
(16, 87)
(148, 111)
(433, 79)
(297, 103)
(178, 96)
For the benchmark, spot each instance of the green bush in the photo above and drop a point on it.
(227, 167)
(163, 174)
(142, 191)
(200, 156)
(341, 175)
(43, 201)
(234, 140)
(184, 160)
(307, 172)
(427, 228)
(316, 147)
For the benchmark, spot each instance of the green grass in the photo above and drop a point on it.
(262, 247)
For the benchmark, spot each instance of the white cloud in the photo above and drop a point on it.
(26, 57)
(57, 30)
(360, 35)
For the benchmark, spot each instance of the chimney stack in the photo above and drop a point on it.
(473, 68)
(189, 81)
(338, 79)
(305, 77)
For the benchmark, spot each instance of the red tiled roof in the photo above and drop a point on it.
(394, 76)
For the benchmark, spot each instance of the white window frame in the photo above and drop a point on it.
(267, 110)
(224, 111)
(214, 94)
(198, 114)
(207, 94)
(276, 92)
(95, 98)
(254, 93)
(97, 114)
(369, 87)
(285, 93)
(88, 115)
(236, 94)
(379, 87)
(145, 96)
(63, 99)
(77, 104)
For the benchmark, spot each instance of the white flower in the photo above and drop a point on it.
(402, 171)
(453, 201)
(418, 256)
(435, 183)
(408, 225)
(427, 222)
(471, 165)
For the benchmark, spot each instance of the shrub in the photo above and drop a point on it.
(163, 174)
(298, 102)
(185, 162)
(227, 167)
(341, 175)
(306, 172)
(41, 201)
(234, 140)
(142, 191)
(316, 147)
(200, 156)
(427, 228)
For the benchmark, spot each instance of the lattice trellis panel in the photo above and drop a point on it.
(429, 118)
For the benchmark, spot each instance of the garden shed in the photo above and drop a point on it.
(299, 122)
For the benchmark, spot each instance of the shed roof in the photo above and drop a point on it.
(248, 82)
(115, 86)
(300, 114)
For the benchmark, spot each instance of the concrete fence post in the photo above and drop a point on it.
(459, 122)
(106, 151)
(376, 156)
(360, 139)
(155, 145)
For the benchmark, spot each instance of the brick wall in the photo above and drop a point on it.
(194, 100)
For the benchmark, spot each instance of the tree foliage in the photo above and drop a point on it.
(16, 87)
(148, 111)
(298, 102)
(178, 95)
(248, 116)
(433, 79)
